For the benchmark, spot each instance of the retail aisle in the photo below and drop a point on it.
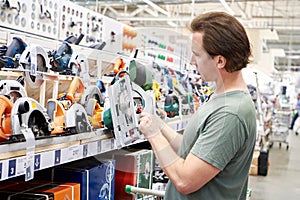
(283, 179)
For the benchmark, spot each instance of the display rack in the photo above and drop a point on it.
(50, 152)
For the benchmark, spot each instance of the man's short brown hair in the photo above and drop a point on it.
(224, 35)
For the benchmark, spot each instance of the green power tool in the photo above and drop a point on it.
(172, 105)
(140, 74)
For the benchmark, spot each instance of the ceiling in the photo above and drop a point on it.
(281, 16)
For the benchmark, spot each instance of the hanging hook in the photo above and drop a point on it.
(6, 5)
(16, 8)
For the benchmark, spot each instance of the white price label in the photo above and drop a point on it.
(21, 165)
(33, 66)
(29, 159)
(107, 145)
(74, 153)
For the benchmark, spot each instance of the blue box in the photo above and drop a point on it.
(97, 179)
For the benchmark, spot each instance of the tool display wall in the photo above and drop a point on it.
(39, 17)
(58, 20)
(76, 20)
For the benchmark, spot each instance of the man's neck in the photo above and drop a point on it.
(230, 82)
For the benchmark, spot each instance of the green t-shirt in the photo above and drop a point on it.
(222, 132)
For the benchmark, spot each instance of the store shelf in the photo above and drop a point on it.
(10, 74)
(53, 142)
(53, 151)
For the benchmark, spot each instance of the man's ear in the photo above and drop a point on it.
(221, 61)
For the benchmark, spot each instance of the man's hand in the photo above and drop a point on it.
(150, 125)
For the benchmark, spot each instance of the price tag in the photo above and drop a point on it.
(57, 157)
(21, 165)
(74, 153)
(12, 168)
(30, 148)
(29, 173)
(33, 60)
(37, 162)
(107, 145)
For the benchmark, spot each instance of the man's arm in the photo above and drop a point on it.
(188, 175)
(172, 137)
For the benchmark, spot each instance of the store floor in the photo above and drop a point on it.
(283, 179)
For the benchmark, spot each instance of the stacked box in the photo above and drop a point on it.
(254, 163)
(23, 196)
(96, 178)
(41, 190)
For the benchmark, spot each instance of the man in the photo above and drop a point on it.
(211, 159)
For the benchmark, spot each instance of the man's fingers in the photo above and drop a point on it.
(143, 114)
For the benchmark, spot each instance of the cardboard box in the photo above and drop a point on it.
(254, 163)
(253, 170)
(5, 195)
(75, 187)
(133, 168)
(255, 157)
(59, 191)
(95, 178)
(40, 189)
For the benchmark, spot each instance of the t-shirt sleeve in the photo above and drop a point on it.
(220, 139)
